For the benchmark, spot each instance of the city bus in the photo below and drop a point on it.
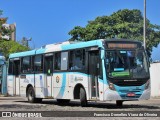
(3, 75)
(98, 70)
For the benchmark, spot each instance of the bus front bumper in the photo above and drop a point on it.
(111, 95)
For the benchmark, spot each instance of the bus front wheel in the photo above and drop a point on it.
(83, 98)
(61, 101)
(119, 103)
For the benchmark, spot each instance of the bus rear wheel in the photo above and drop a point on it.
(83, 98)
(31, 96)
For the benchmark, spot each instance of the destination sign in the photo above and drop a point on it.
(122, 45)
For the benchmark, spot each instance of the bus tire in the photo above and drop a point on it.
(119, 103)
(61, 101)
(83, 98)
(31, 95)
(38, 100)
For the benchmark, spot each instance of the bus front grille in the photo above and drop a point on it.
(129, 83)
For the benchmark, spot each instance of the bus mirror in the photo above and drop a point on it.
(149, 62)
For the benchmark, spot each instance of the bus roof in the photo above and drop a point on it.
(67, 45)
(58, 47)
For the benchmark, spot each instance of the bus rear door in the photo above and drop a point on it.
(16, 81)
(49, 74)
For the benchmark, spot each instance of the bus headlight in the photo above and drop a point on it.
(147, 84)
(111, 86)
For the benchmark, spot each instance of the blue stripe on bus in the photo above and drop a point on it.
(122, 51)
(104, 73)
(118, 69)
(27, 53)
(20, 54)
(40, 51)
(63, 86)
(82, 45)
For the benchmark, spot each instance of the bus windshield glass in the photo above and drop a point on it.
(127, 64)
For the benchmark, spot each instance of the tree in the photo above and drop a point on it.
(8, 47)
(125, 23)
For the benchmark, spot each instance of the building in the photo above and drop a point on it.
(6, 26)
(155, 79)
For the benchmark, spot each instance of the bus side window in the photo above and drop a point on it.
(10, 69)
(16, 67)
(64, 60)
(26, 65)
(38, 63)
(77, 60)
(48, 64)
(57, 62)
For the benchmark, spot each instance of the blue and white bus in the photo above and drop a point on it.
(3, 75)
(97, 70)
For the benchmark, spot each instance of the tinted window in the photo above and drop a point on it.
(57, 64)
(26, 65)
(10, 69)
(38, 63)
(77, 60)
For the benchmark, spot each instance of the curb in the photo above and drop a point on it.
(3, 95)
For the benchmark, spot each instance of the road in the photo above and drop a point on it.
(21, 104)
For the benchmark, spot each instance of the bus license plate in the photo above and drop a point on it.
(131, 94)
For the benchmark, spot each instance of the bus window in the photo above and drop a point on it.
(48, 67)
(16, 68)
(64, 60)
(77, 60)
(10, 69)
(38, 63)
(57, 64)
(26, 65)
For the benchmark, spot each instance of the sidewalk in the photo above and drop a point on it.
(155, 97)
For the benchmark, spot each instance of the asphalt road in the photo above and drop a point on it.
(11, 104)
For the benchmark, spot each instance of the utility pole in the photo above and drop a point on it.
(144, 25)
(26, 40)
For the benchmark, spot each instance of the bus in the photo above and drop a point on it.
(98, 70)
(3, 75)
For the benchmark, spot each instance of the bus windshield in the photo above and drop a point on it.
(127, 64)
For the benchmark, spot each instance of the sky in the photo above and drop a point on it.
(49, 21)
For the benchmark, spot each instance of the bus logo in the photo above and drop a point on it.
(57, 79)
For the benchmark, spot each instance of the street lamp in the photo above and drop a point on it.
(27, 40)
(144, 25)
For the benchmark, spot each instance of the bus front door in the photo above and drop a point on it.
(16, 72)
(93, 72)
(49, 75)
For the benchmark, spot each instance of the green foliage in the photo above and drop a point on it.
(125, 23)
(8, 47)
